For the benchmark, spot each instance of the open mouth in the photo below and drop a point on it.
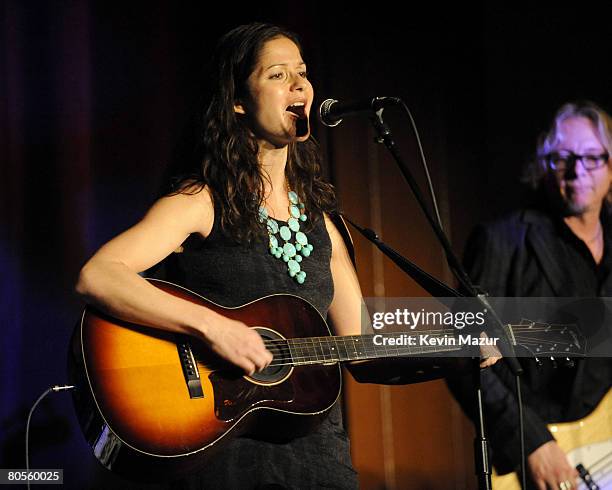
(299, 109)
(301, 124)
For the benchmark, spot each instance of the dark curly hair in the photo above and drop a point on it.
(228, 163)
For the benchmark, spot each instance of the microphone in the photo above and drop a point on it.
(332, 111)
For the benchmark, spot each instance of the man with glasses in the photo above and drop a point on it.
(562, 248)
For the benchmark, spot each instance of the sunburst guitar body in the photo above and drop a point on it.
(153, 404)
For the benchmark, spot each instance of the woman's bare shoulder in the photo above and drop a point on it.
(192, 206)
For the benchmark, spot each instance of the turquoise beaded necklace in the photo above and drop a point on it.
(291, 253)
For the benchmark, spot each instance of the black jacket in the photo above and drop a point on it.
(530, 254)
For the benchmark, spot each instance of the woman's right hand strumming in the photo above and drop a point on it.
(237, 343)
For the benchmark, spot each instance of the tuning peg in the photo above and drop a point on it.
(554, 362)
(569, 362)
(538, 362)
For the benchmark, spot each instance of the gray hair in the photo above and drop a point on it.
(536, 169)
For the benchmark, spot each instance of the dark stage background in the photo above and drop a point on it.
(97, 95)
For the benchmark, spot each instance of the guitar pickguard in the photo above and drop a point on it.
(235, 395)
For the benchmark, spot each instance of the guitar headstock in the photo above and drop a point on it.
(549, 340)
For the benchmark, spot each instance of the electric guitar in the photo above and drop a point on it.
(153, 403)
(588, 445)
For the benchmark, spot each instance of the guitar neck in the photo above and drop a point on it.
(323, 350)
(538, 339)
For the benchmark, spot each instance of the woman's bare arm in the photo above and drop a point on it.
(110, 281)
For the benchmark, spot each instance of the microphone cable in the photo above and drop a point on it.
(430, 187)
(434, 201)
(519, 399)
(56, 389)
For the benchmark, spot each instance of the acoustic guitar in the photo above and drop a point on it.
(153, 403)
(588, 445)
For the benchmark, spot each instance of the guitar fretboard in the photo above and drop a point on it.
(323, 350)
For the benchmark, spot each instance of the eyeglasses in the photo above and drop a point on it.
(560, 162)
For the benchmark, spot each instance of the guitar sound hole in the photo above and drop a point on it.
(281, 366)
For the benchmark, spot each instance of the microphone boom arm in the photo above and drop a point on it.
(506, 346)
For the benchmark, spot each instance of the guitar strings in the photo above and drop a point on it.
(606, 460)
(519, 329)
(299, 360)
(352, 338)
(311, 341)
(281, 348)
(286, 355)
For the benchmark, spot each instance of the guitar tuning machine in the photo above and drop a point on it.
(569, 362)
(554, 362)
(538, 362)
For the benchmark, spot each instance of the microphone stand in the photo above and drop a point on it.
(432, 285)
(436, 288)
(496, 327)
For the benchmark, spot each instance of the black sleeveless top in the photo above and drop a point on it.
(232, 274)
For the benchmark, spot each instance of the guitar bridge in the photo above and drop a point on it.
(190, 369)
